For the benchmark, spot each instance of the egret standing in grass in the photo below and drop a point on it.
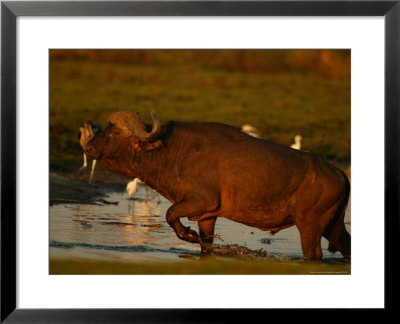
(297, 142)
(247, 128)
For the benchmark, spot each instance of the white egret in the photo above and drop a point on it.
(297, 142)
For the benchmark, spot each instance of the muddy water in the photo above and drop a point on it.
(134, 228)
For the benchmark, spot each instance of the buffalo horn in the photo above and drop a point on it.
(141, 133)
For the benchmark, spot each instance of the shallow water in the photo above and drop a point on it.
(134, 228)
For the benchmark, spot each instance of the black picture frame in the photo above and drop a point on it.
(10, 10)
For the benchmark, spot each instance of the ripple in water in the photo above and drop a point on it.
(137, 226)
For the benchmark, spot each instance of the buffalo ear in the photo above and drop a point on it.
(147, 146)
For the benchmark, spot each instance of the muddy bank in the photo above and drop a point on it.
(195, 266)
(74, 188)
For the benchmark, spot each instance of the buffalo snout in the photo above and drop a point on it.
(88, 149)
(90, 152)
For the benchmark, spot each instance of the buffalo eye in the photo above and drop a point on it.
(115, 132)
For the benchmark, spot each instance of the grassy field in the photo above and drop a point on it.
(280, 102)
(211, 266)
(281, 93)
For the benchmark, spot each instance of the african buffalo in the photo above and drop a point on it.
(210, 170)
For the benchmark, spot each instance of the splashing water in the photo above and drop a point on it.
(126, 228)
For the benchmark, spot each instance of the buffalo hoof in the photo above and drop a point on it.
(206, 248)
(192, 236)
(189, 235)
(347, 258)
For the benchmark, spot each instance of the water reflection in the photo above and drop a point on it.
(135, 228)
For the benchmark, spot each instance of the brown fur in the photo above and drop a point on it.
(210, 170)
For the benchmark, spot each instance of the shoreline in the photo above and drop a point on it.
(73, 188)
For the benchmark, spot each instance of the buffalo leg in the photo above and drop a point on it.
(311, 243)
(338, 237)
(345, 245)
(342, 245)
(182, 209)
(206, 229)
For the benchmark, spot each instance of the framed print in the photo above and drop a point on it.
(81, 243)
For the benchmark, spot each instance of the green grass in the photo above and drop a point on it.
(202, 266)
(279, 105)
